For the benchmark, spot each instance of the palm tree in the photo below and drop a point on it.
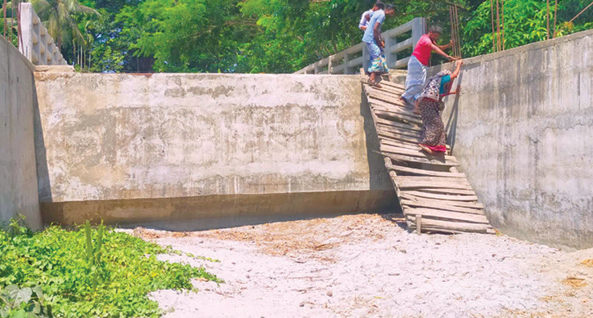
(57, 18)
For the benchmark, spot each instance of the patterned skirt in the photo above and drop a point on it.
(378, 61)
(434, 129)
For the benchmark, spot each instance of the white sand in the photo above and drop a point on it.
(369, 266)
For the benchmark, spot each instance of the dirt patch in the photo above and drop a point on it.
(371, 266)
(587, 262)
(574, 282)
(297, 237)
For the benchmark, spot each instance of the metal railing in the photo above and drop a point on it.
(350, 60)
(36, 43)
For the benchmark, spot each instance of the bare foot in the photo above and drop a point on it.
(425, 148)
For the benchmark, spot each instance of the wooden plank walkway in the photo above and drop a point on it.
(433, 194)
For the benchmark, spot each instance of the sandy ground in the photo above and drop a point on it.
(371, 266)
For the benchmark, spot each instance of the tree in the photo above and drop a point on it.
(524, 22)
(58, 18)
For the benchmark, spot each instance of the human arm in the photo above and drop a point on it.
(437, 49)
(457, 70)
(366, 17)
(453, 92)
(454, 75)
(446, 46)
(377, 35)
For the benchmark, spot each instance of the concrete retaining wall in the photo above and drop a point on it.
(18, 179)
(221, 149)
(522, 131)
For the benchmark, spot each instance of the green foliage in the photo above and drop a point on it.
(11, 24)
(272, 36)
(231, 35)
(59, 18)
(90, 272)
(186, 35)
(524, 22)
(24, 302)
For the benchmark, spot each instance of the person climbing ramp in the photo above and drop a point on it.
(375, 43)
(430, 103)
(418, 63)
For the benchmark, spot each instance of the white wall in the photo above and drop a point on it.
(18, 178)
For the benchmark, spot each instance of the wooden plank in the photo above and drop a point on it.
(468, 204)
(391, 91)
(403, 128)
(388, 88)
(417, 121)
(394, 85)
(364, 79)
(440, 205)
(461, 198)
(397, 150)
(453, 226)
(436, 230)
(385, 97)
(426, 161)
(404, 143)
(409, 146)
(446, 215)
(398, 124)
(391, 97)
(395, 144)
(404, 183)
(396, 136)
(424, 172)
(442, 180)
(419, 223)
(400, 131)
(448, 191)
(397, 116)
(402, 151)
(388, 105)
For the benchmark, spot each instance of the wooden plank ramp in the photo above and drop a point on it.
(433, 194)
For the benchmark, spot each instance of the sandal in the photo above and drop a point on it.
(374, 84)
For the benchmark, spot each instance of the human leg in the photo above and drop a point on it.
(415, 80)
(434, 130)
(377, 65)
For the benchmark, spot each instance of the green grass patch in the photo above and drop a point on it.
(87, 272)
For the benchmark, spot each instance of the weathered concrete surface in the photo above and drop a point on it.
(522, 131)
(164, 147)
(18, 178)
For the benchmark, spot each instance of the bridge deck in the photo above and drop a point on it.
(433, 194)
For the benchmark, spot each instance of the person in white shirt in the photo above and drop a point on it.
(366, 16)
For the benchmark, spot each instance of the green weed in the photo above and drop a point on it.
(90, 272)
